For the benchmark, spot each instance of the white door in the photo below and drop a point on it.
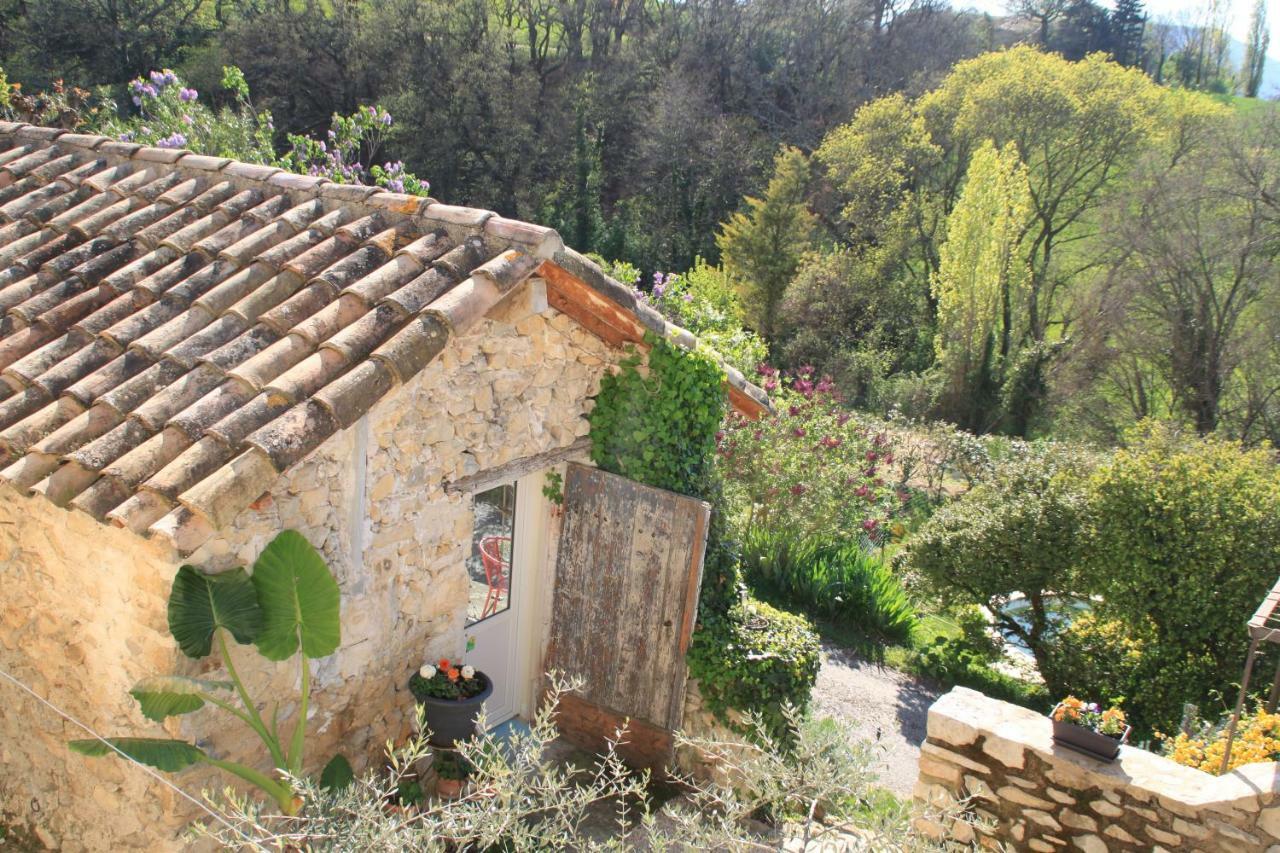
(504, 547)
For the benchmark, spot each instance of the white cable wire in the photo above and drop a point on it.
(221, 819)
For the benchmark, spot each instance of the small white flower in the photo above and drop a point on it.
(427, 671)
(468, 672)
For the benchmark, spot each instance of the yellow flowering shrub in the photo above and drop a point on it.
(1257, 739)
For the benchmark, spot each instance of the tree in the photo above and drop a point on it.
(980, 286)
(1255, 56)
(91, 42)
(762, 246)
(1085, 28)
(1078, 127)
(1197, 263)
(1128, 26)
(1042, 12)
(1183, 543)
(1017, 532)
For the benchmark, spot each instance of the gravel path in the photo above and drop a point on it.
(885, 706)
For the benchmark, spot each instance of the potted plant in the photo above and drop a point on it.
(451, 775)
(1086, 728)
(451, 695)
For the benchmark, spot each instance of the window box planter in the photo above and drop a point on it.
(453, 720)
(1086, 740)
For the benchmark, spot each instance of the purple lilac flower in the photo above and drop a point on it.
(174, 140)
(396, 185)
(186, 95)
(386, 119)
(658, 290)
(688, 297)
(168, 78)
(157, 78)
(188, 120)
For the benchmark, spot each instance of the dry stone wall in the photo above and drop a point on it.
(1017, 788)
(82, 608)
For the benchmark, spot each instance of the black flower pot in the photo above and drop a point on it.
(452, 720)
(1092, 743)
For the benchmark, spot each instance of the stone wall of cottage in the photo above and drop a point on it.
(81, 620)
(1017, 788)
(372, 499)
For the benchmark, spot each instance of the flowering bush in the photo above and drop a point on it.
(352, 142)
(1110, 722)
(1257, 739)
(703, 301)
(447, 680)
(172, 115)
(811, 466)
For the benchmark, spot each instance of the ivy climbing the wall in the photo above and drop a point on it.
(657, 426)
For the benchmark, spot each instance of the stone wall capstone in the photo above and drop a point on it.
(1015, 787)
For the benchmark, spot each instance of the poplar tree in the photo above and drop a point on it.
(981, 284)
(1255, 56)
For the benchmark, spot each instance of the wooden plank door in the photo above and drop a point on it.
(626, 596)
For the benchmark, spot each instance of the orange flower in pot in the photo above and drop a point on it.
(451, 694)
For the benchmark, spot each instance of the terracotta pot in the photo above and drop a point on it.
(452, 720)
(449, 789)
(1087, 741)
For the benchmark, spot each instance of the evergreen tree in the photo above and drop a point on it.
(1128, 25)
(761, 247)
(1085, 28)
(1255, 56)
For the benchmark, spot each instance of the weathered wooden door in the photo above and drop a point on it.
(626, 594)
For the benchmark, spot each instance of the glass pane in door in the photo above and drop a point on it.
(489, 562)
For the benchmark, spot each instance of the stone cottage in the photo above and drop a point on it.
(197, 353)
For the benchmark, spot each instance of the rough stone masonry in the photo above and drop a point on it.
(993, 770)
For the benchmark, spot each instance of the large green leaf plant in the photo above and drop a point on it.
(287, 606)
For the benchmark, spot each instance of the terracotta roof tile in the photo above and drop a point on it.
(176, 330)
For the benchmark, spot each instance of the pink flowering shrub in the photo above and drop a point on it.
(812, 467)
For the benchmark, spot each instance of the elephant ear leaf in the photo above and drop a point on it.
(200, 603)
(170, 695)
(160, 753)
(299, 600)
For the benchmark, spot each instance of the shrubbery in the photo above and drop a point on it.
(1184, 539)
(1257, 739)
(1174, 541)
(810, 468)
(758, 661)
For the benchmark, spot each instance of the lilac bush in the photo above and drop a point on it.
(811, 467)
(704, 301)
(170, 114)
(352, 142)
